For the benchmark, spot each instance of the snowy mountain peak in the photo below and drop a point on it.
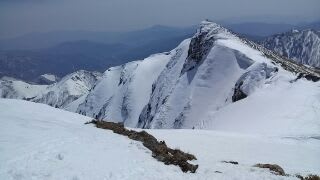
(190, 86)
(68, 89)
(60, 94)
(209, 27)
(218, 70)
(201, 43)
(78, 81)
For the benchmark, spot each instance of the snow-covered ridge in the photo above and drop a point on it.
(68, 89)
(18, 89)
(59, 94)
(300, 46)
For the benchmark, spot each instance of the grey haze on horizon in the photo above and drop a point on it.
(19, 17)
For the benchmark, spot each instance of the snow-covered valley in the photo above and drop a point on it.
(41, 142)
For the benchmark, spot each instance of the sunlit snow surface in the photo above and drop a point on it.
(41, 142)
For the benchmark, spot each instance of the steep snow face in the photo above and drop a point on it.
(40, 142)
(301, 46)
(17, 89)
(68, 89)
(192, 87)
(124, 90)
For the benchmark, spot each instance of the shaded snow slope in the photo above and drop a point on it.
(124, 90)
(301, 46)
(41, 142)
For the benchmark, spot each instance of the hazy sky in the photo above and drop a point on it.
(23, 16)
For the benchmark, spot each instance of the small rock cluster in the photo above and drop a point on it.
(276, 169)
(160, 150)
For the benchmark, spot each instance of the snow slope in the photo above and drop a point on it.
(41, 142)
(124, 90)
(278, 108)
(301, 46)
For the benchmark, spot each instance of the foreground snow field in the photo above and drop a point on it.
(41, 142)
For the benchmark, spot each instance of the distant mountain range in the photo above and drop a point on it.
(135, 38)
(67, 57)
(141, 37)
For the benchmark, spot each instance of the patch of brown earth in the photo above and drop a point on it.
(160, 150)
(309, 177)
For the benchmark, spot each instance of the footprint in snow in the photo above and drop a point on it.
(60, 157)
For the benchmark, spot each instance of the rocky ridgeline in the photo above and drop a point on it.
(159, 149)
(288, 64)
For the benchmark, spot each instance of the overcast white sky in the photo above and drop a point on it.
(23, 16)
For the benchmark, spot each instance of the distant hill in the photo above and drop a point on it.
(49, 39)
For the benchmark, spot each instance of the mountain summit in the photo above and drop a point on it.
(215, 80)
